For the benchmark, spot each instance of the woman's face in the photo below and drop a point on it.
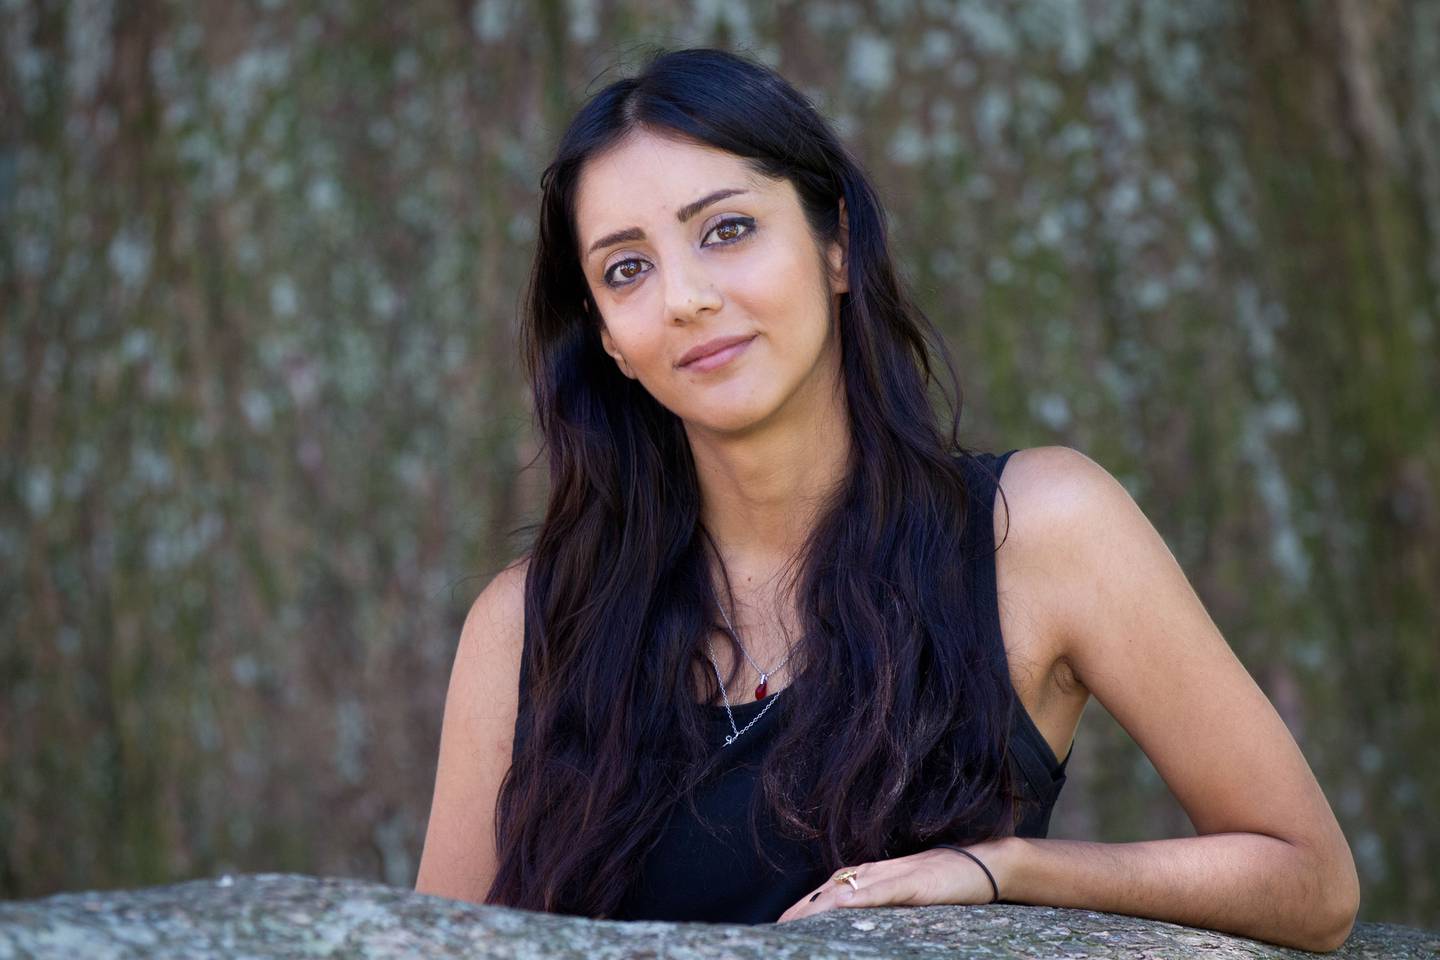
(683, 245)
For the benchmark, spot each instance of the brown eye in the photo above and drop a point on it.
(729, 231)
(628, 269)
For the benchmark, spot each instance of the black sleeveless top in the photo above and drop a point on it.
(709, 872)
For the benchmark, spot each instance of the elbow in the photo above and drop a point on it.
(1332, 936)
(1341, 918)
(1325, 895)
(1331, 924)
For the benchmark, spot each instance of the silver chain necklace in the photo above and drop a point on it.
(764, 675)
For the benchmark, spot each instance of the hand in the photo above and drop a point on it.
(929, 877)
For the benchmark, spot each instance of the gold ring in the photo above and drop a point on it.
(847, 876)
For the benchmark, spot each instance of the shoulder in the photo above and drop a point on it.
(1068, 524)
(495, 624)
(507, 588)
(1041, 487)
(1057, 480)
(1054, 497)
(1103, 575)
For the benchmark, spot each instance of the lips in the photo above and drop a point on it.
(709, 353)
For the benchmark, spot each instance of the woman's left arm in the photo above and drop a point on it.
(1270, 860)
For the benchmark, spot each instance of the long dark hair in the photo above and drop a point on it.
(905, 722)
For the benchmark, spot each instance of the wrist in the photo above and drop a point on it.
(1005, 857)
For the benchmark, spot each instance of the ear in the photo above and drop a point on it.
(839, 255)
(608, 342)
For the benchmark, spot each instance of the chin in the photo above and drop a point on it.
(735, 406)
(720, 416)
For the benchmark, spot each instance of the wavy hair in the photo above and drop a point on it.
(906, 720)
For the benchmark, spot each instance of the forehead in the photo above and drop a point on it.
(646, 178)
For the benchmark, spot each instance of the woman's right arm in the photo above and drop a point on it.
(476, 738)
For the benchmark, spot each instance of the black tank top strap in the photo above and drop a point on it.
(1039, 773)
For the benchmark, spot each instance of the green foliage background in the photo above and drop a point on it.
(263, 430)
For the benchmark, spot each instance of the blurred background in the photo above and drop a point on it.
(263, 435)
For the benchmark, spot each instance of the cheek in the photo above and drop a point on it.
(639, 343)
(787, 298)
(645, 351)
(773, 285)
(629, 329)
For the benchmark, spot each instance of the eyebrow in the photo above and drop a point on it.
(684, 213)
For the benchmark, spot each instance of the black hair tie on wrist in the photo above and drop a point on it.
(994, 887)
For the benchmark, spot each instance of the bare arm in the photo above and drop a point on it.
(1270, 861)
(476, 738)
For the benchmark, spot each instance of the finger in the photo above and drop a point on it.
(882, 891)
(818, 900)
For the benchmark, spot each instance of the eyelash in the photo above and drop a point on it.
(747, 222)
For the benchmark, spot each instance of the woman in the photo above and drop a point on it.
(781, 644)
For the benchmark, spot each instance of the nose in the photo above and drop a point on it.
(689, 289)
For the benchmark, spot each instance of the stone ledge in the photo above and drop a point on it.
(290, 915)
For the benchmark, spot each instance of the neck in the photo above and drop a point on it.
(762, 492)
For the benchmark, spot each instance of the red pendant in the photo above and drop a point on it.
(760, 691)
